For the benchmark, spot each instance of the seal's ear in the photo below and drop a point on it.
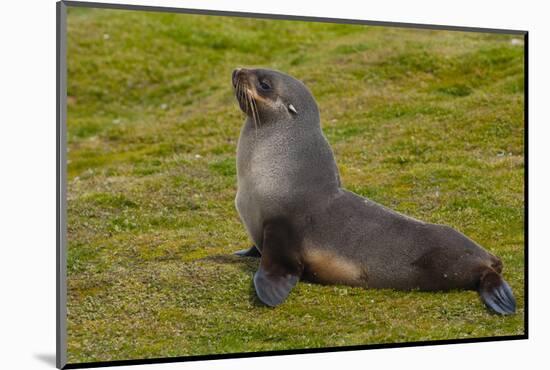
(292, 109)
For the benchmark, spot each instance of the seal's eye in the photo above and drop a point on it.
(265, 86)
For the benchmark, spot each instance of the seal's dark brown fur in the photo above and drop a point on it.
(306, 226)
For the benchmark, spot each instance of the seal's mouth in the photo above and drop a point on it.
(245, 94)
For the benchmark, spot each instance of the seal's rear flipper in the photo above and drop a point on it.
(280, 266)
(250, 252)
(497, 294)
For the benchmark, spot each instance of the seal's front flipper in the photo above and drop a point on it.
(497, 294)
(272, 289)
(250, 252)
(280, 265)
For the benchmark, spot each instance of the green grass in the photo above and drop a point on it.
(429, 123)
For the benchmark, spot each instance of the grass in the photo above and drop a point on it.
(429, 123)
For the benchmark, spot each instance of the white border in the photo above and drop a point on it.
(27, 144)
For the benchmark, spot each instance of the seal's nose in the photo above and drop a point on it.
(235, 75)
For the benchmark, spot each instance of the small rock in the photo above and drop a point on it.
(198, 156)
(106, 36)
(163, 106)
(516, 42)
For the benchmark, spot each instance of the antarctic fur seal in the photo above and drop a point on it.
(304, 225)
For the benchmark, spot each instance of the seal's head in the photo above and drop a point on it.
(268, 96)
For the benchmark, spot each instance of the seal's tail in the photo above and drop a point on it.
(496, 293)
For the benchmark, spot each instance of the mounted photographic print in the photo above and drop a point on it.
(235, 185)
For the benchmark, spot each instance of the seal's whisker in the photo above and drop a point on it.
(239, 91)
(257, 112)
(254, 110)
(249, 102)
(245, 98)
(243, 94)
(251, 105)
